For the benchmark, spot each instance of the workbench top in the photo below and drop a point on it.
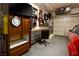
(39, 28)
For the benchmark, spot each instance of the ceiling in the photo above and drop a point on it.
(54, 6)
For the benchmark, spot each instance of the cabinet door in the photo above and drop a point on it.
(14, 32)
(25, 26)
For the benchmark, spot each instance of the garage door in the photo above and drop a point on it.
(63, 23)
(70, 22)
(58, 25)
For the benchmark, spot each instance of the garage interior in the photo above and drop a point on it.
(39, 29)
(60, 24)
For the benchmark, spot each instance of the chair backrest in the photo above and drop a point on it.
(45, 34)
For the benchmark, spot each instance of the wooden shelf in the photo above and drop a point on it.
(17, 43)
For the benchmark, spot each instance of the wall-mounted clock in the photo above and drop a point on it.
(16, 21)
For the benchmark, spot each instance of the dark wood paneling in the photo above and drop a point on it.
(25, 26)
(19, 50)
(14, 32)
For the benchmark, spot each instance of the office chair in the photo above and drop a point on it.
(44, 36)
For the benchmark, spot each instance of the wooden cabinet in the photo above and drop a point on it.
(15, 30)
(19, 36)
(25, 26)
(19, 50)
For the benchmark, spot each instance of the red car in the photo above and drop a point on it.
(73, 45)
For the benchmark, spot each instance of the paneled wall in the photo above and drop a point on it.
(16, 33)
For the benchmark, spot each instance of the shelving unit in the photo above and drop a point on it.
(19, 36)
(16, 29)
(19, 42)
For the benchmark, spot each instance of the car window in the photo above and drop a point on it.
(76, 29)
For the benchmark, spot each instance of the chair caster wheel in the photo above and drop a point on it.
(48, 43)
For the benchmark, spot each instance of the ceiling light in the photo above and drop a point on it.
(68, 9)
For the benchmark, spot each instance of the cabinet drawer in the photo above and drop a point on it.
(19, 50)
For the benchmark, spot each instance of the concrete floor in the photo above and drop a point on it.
(57, 47)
